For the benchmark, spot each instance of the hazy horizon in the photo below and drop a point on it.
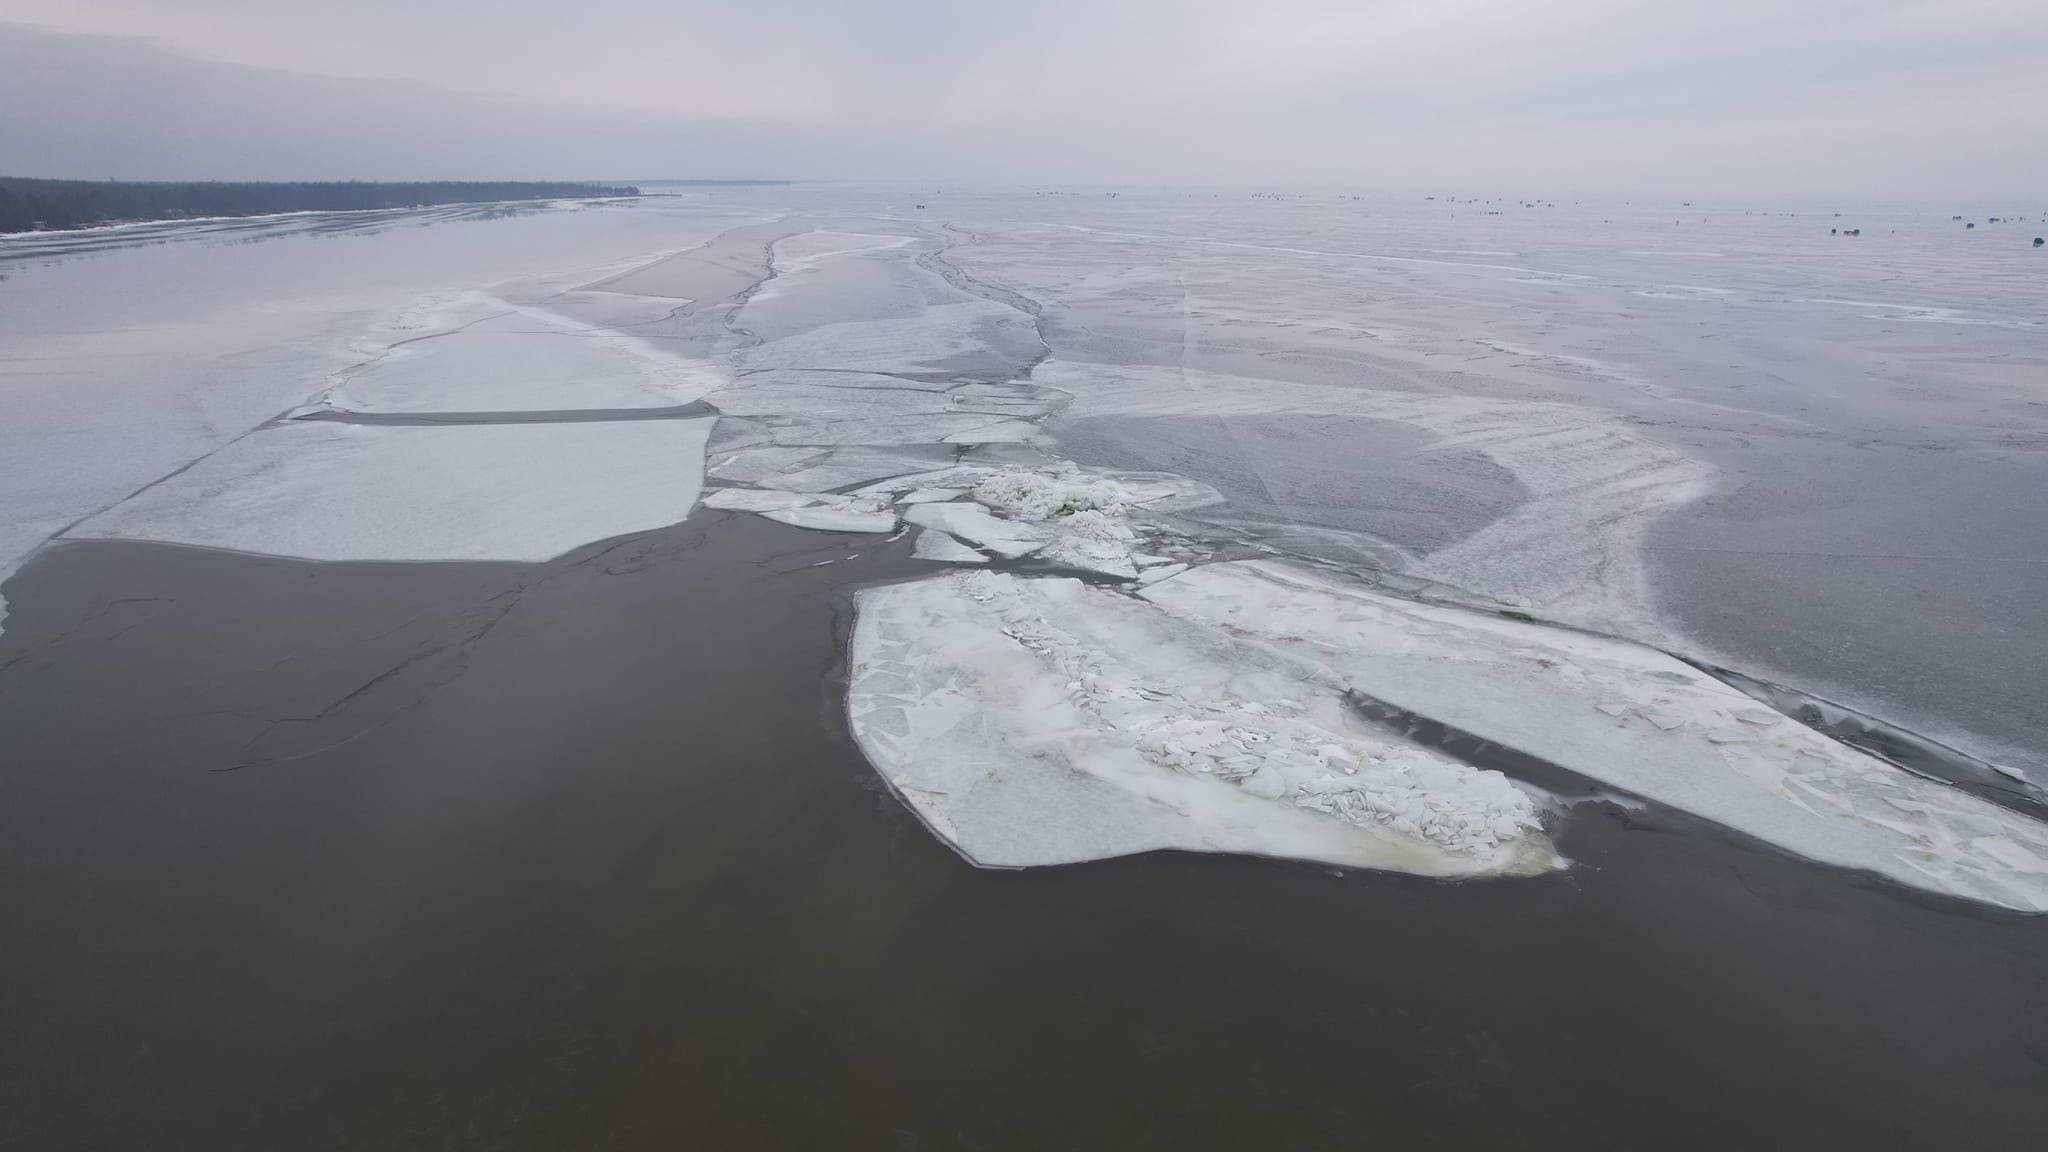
(1896, 101)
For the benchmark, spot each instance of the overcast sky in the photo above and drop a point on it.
(1877, 99)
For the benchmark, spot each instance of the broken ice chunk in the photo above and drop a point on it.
(933, 544)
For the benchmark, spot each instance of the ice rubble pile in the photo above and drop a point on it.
(1271, 751)
(1060, 512)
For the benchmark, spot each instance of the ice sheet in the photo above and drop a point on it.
(517, 359)
(933, 544)
(1041, 721)
(813, 469)
(1571, 553)
(1631, 717)
(931, 495)
(1007, 538)
(760, 465)
(755, 499)
(805, 251)
(941, 333)
(836, 395)
(943, 428)
(326, 491)
(837, 514)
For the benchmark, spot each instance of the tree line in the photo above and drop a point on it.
(32, 205)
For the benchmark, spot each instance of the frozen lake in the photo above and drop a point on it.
(362, 572)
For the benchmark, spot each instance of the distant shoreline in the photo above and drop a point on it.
(37, 205)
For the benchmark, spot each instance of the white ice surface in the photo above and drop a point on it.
(755, 499)
(1007, 538)
(832, 396)
(930, 495)
(837, 514)
(521, 359)
(1631, 717)
(933, 544)
(328, 491)
(813, 469)
(794, 256)
(941, 332)
(760, 465)
(940, 428)
(821, 511)
(1043, 495)
(121, 368)
(1041, 721)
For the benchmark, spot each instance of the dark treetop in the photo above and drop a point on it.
(28, 205)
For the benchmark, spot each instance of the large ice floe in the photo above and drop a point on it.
(496, 356)
(1039, 720)
(1635, 718)
(490, 431)
(332, 491)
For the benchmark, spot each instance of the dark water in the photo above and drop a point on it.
(578, 855)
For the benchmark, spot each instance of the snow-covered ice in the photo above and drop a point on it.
(1040, 721)
(1043, 495)
(1631, 717)
(328, 491)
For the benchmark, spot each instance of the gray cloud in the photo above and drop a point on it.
(1874, 98)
